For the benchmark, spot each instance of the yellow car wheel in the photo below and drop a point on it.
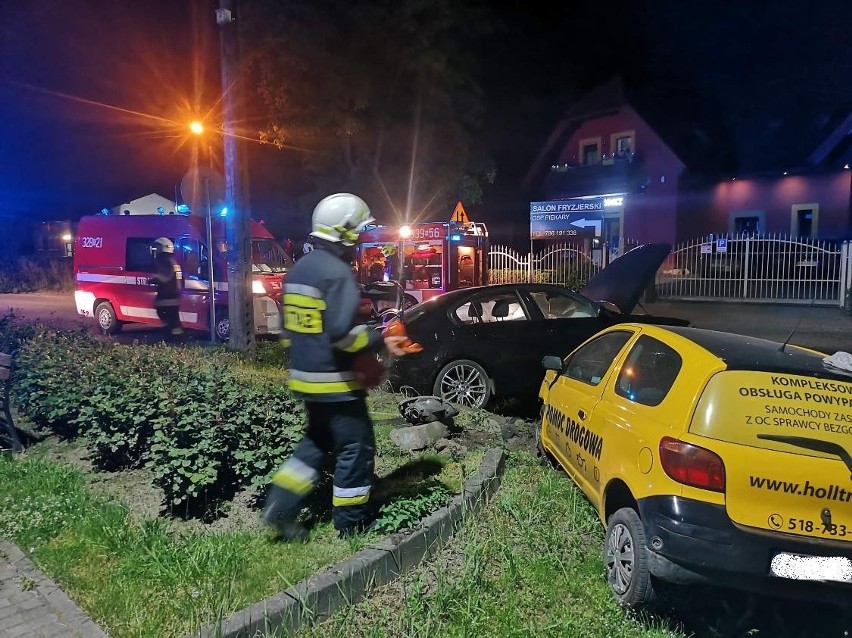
(626, 559)
(543, 456)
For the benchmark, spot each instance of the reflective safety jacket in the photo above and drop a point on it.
(169, 280)
(321, 301)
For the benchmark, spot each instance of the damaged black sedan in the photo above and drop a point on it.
(489, 341)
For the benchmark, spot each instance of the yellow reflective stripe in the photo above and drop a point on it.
(303, 301)
(343, 501)
(303, 289)
(358, 342)
(286, 479)
(322, 387)
(322, 377)
(302, 320)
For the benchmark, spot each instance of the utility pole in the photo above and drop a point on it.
(240, 306)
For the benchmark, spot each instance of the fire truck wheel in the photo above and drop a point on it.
(107, 321)
(463, 382)
(223, 324)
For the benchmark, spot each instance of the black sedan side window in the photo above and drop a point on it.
(590, 363)
(555, 304)
(504, 306)
(649, 372)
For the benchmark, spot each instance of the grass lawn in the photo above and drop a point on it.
(530, 565)
(142, 577)
(137, 573)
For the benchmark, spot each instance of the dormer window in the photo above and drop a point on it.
(590, 150)
(623, 144)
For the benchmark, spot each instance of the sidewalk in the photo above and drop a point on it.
(823, 328)
(33, 605)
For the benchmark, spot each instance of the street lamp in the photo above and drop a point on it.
(404, 233)
(197, 129)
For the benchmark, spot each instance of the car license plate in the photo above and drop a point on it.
(801, 567)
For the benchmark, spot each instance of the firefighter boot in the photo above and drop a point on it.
(280, 514)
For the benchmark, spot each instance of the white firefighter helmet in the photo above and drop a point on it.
(163, 245)
(340, 218)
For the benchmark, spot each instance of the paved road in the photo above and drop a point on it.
(57, 309)
(823, 328)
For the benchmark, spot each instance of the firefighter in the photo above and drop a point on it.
(168, 278)
(321, 301)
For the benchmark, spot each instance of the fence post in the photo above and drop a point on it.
(745, 268)
(529, 262)
(844, 277)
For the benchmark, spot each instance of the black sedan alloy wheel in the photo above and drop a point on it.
(464, 382)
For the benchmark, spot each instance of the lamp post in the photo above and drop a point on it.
(404, 233)
(197, 129)
(240, 307)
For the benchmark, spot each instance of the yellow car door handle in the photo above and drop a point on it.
(582, 414)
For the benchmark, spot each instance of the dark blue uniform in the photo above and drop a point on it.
(168, 278)
(321, 301)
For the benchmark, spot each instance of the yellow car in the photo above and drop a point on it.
(709, 456)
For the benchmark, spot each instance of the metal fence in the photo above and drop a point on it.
(560, 264)
(773, 268)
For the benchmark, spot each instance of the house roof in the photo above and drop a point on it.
(698, 140)
(802, 138)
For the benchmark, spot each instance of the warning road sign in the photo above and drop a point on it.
(460, 214)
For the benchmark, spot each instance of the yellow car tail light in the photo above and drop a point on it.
(692, 465)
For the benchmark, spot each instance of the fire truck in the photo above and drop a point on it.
(113, 262)
(428, 259)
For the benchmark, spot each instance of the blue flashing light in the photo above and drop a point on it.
(455, 237)
(183, 209)
(224, 212)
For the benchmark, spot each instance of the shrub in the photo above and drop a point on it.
(54, 374)
(31, 274)
(117, 411)
(574, 278)
(13, 332)
(406, 510)
(203, 424)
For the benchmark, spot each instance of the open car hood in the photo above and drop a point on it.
(625, 279)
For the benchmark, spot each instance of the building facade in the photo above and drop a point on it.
(673, 185)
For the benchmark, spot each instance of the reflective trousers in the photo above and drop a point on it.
(343, 430)
(168, 310)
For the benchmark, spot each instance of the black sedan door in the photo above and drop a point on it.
(494, 329)
(562, 320)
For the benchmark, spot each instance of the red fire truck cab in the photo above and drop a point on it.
(113, 261)
(435, 257)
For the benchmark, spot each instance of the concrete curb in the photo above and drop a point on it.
(322, 594)
(69, 618)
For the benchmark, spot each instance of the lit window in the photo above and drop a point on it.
(624, 145)
(590, 153)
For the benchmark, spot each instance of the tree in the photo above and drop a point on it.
(378, 97)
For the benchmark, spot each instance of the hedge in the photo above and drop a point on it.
(205, 423)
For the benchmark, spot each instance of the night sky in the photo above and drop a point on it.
(62, 155)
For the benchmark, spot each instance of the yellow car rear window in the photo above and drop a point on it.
(744, 407)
